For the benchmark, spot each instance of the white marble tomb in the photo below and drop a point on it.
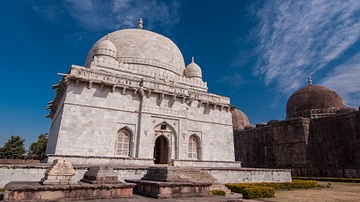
(134, 102)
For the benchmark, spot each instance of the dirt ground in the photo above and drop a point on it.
(338, 191)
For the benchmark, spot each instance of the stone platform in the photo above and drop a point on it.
(174, 182)
(162, 190)
(59, 184)
(35, 191)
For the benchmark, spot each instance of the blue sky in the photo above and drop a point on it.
(255, 52)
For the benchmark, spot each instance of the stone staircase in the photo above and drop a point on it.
(198, 175)
(178, 174)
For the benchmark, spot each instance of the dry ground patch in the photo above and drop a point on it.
(338, 191)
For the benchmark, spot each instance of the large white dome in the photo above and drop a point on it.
(138, 46)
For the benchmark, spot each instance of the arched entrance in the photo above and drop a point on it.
(161, 151)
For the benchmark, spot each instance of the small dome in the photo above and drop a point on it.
(313, 101)
(193, 70)
(261, 124)
(105, 47)
(239, 119)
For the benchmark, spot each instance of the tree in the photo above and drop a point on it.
(38, 148)
(14, 148)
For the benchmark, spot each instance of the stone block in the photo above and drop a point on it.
(101, 175)
(61, 172)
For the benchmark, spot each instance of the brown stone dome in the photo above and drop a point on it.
(313, 101)
(239, 119)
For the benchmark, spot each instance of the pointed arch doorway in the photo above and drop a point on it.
(161, 150)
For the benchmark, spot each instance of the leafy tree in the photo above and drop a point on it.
(38, 148)
(14, 148)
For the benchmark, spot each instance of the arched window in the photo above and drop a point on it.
(122, 144)
(193, 148)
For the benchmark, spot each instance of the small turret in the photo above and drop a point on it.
(105, 49)
(193, 71)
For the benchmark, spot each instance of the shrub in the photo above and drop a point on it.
(331, 179)
(302, 184)
(258, 192)
(218, 192)
(237, 187)
(2, 189)
(295, 184)
(265, 189)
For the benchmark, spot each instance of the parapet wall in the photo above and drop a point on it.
(18, 161)
(223, 175)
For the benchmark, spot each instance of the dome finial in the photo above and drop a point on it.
(140, 25)
(192, 59)
(309, 80)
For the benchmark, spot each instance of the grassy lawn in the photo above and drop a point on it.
(338, 191)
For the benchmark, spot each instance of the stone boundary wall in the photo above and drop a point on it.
(326, 172)
(250, 175)
(223, 175)
(321, 147)
(18, 161)
(334, 142)
(277, 145)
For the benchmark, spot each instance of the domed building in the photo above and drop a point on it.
(239, 119)
(313, 102)
(320, 137)
(135, 102)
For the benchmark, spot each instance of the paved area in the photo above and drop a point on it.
(232, 198)
(138, 198)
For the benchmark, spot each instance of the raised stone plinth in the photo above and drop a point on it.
(174, 182)
(35, 191)
(157, 189)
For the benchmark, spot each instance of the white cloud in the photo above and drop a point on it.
(345, 79)
(50, 12)
(234, 80)
(116, 14)
(298, 38)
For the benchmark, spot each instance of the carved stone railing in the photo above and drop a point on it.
(313, 113)
(134, 68)
(173, 89)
